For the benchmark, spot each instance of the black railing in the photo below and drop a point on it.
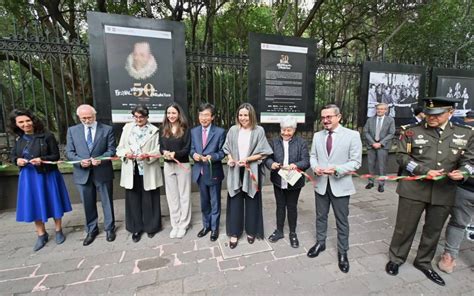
(49, 74)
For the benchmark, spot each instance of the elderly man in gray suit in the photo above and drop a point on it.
(86, 142)
(378, 132)
(335, 153)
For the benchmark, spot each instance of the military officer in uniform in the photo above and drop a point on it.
(436, 148)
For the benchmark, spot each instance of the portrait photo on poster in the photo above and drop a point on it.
(460, 88)
(140, 69)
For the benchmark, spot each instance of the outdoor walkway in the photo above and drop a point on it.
(197, 266)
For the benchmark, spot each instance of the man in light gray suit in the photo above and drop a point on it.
(335, 153)
(86, 142)
(378, 132)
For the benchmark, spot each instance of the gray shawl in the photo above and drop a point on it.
(258, 145)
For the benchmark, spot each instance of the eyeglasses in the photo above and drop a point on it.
(139, 117)
(329, 117)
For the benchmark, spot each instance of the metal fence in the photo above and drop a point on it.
(43, 71)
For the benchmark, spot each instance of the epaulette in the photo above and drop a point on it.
(460, 124)
(407, 126)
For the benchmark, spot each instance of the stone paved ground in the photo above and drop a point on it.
(197, 266)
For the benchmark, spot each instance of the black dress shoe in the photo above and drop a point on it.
(90, 238)
(203, 232)
(370, 185)
(214, 235)
(431, 274)
(250, 239)
(275, 236)
(343, 262)
(110, 235)
(381, 189)
(316, 249)
(151, 235)
(294, 240)
(392, 268)
(232, 244)
(136, 236)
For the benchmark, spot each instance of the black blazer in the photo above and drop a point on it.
(43, 146)
(298, 154)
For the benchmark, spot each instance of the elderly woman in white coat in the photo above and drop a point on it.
(141, 175)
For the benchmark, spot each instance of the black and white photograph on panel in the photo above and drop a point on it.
(400, 91)
(400, 86)
(461, 88)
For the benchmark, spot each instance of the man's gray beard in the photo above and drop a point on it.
(146, 72)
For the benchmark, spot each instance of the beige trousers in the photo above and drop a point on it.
(178, 193)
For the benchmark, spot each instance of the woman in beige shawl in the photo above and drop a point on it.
(246, 146)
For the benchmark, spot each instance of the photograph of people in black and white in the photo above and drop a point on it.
(400, 91)
(459, 88)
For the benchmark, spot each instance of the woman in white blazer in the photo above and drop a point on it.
(141, 175)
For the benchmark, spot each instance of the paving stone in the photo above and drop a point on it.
(208, 266)
(119, 284)
(195, 256)
(202, 282)
(229, 264)
(112, 270)
(380, 281)
(19, 286)
(88, 288)
(178, 247)
(18, 272)
(49, 267)
(247, 274)
(62, 279)
(166, 288)
(255, 258)
(153, 263)
(177, 272)
(350, 286)
(375, 248)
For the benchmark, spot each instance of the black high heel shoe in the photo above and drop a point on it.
(232, 244)
(250, 239)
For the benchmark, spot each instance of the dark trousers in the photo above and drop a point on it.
(142, 208)
(88, 193)
(210, 204)
(244, 211)
(340, 207)
(408, 216)
(286, 200)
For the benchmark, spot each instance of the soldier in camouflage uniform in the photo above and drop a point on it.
(437, 148)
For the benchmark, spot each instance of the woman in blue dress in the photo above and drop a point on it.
(42, 193)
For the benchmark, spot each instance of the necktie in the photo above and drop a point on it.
(329, 142)
(89, 139)
(204, 141)
(378, 127)
(204, 137)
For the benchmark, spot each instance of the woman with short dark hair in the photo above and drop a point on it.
(141, 175)
(42, 193)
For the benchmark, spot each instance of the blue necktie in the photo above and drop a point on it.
(89, 139)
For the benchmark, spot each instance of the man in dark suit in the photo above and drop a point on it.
(436, 148)
(378, 131)
(86, 142)
(206, 150)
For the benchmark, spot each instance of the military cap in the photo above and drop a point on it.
(470, 114)
(439, 105)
